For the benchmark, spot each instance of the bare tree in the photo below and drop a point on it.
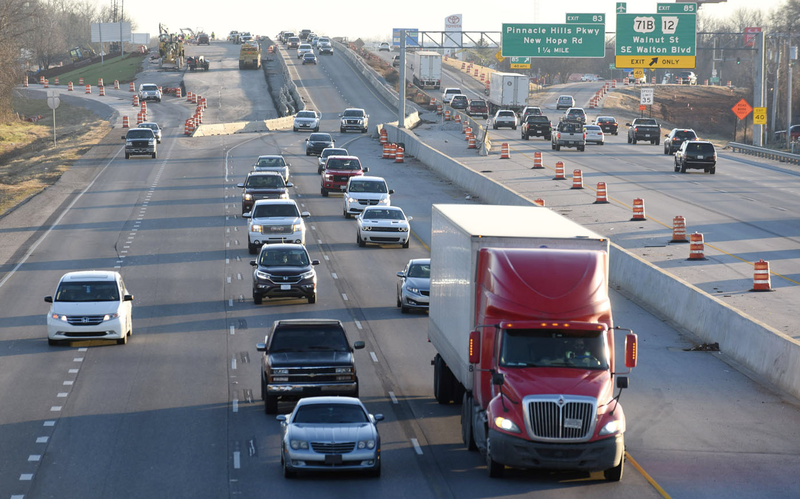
(14, 25)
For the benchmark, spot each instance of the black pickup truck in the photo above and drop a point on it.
(536, 126)
(646, 129)
(306, 358)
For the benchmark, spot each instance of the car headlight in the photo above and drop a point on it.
(366, 444)
(248, 197)
(413, 290)
(328, 177)
(506, 424)
(366, 228)
(298, 444)
(263, 275)
(128, 143)
(403, 229)
(610, 428)
(108, 317)
(296, 227)
(59, 317)
(255, 228)
(384, 202)
(352, 200)
(308, 275)
(344, 370)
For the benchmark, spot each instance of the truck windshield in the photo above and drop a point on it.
(553, 348)
(300, 339)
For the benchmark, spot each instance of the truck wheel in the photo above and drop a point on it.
(658, 141)
(615, 474)
(634, 141)
(683, 168)
(558, 147)
(443, 381)
(466, 423)
(341, 129)
(263, 387)
(324, 192)
(312, 298)
(155, 155)
(582, 148)
(127, 156)
(713, 170)
(629, 140)
(493, 468)
(270, 404)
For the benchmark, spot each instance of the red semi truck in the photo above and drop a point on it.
(521, 320)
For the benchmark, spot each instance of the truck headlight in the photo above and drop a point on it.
(59, 317)
(128, 143)
(248, 197)
(610, 428)
(298, 444)
(309, 275)
(296, 227)
(263, 275)
(366, 444)
(344, 370)
(255, 228)
(506, 424)
(151, 142)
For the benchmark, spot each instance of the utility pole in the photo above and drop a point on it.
(792, 54)
(401, 85)
(775, 87)
(758, 88)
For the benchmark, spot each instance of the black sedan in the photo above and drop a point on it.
(284, 271)
(316, 142)
(697, 154)
(608, 124)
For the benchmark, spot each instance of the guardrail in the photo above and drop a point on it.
(763, 152)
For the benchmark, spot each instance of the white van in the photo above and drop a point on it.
(449, 93)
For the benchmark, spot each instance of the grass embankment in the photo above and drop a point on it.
(29, 162)
(123, 70)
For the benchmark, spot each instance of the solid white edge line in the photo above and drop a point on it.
(391, 396)
(334, 275)
(374, 357)
(417, 448)
(41, 440)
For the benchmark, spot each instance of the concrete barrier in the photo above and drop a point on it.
(284, 123)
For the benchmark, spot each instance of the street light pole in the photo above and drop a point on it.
(401, 85)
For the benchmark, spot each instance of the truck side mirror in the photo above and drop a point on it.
(498, 379)
(49, 299)
(240, 186)
(474, 347)
(358, 345)
(631, 350)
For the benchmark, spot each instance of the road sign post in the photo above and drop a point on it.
(553, 40)
(53, 101)
(663, 40)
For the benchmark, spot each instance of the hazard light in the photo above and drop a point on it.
(474, 347)
(631, 350)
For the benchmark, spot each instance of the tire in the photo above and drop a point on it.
(399, 303)
(629, 140)
(403, 309)
(582, 148)
(634, 141)
(155, 155)
(324, 192)
(548, 137)
(270, 404)
(666, 151)
(294, 129)
(361, 242)
(467, 436)
(251, 248)
(316, 129)
(713, 170)
(444, 382)
(308, 153)
(558, 147)
(493, 468)
(123, 340)
(127, 156)
(341, 129)
(313, 298)
(677, 169)
(263, 387)
(376, 472)
(494, 127)
(514, 127)
(683, 168)
(407, 243)
(257, 299)
(364, 130)
(615, 474)
(53, 342)
(658, 142)
(319, 170)
(287, 473)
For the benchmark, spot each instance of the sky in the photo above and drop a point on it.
(374, 19)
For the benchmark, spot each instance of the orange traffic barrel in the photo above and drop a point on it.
(69, 87)
(504, 151)
(116, 84)
(537, 161)
(679, 230)
(393, 151)
(696, 247)
(602, 194)
(457, 117)
(539, 201)
(88, 89)
(384, 137)
(399, 155)
(46, 83)
(468, 131)
(25, 82)
(447, 115)
(124, 122)
(638, 209)
(560, 171)
(471, 142)
(133, 87)
(57, 82)
(438, 109)
(135, 101)
(80, 81)
(102, 91)
(577, 179)
(387, 150)
(761, 277)
(178, 92)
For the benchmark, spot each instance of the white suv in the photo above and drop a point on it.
(354, 119)
(90, 305)
(449, 93)
(275, 221)
(149, 91)
(364, 191)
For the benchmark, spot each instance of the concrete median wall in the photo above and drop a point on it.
(759, 347)
(285, 123)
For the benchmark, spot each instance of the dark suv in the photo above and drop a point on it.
(316, 142)
(306, 358)
(141, 142)
(697, 154)
(284, 271)
(478, 107)
(262, 185)
(676, 137)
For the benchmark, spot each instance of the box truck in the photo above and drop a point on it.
(427, 69)
(508, 91)
(521, 321)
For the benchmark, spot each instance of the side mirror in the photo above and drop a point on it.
(281, 418)
(48, 299)
(314, 262)
(289, 184)
(123, 137)
(247, 215)
(253, 263)
(306, 140)
(305, 214)
(474, 347)
(378, 417)
(631, 350)
(127, 298)
(410, 218)
(622, 382)
(261, 347)
(498, 379)
(240, 186)
(399, 274)
(366, 169)
(391, 191)
(358, 345)
(627, 124)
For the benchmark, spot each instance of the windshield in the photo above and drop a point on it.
(606, 120)
(592, 128)
(537, 119)
(271, 162)
(420, 270)
(316, 338)
(304, 46)
(149, 87)
(383, 214)
(276, 210)
(553, 348)
(309, 56)
(353, 113)
(151, 126)
(264, 181)
(283, 257)
(330, 414)
(306, 114)
(320, 137)
(576, 112)
(333, 152)
(87, 291)
(477, 103)
(506, 114)
(140, 134)
(368, 186)
(570, 127)
(343, 164)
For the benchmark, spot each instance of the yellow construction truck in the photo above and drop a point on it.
(250, 55)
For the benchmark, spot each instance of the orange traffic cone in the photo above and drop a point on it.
(638, 209)
(696, 247)
(761, 277)
(679, 230)
(539, 201)
(602, 194)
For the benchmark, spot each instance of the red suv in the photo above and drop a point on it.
(479, 107)
(338, 170)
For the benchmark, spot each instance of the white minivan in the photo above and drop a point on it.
(449, 93)
(362, 192)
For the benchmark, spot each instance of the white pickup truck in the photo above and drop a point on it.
(568, 133)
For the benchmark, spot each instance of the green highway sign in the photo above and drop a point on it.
(656, 40)
(520, 63)
(586, 18)
(676, 8)
(553, 40)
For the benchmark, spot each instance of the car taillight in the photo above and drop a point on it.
(584, 135)
(559, 135)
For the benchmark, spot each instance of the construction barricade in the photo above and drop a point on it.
(560, 171)
(679, 230)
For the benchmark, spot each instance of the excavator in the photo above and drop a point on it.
(170, 48)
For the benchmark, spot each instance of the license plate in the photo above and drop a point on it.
(342, 187)
(699, 157)
(647, 135)
(286, 287)
(573, 423)
(333, 459)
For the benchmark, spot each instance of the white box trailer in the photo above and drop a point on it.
(508, 91)
(427, 69)
(458, 232)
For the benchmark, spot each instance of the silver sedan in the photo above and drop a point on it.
(330, 434)
(414, 285)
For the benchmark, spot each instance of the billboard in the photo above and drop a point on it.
(452, 33)
(412, 37)
(111, 32)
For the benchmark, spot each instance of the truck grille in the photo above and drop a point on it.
(85, 320)
(333, 448)
(340, 178)
(352, 122)
(140, 143)
(276, 229)
(561, 418)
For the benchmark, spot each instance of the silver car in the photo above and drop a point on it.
(330, 434)
(304, 48)
(272, 163)
(329, 151)
(414, 285)
(306, 120)
(154, 127)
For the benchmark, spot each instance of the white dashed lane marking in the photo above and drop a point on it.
(391, 396)
(417, 448)
(374, 357)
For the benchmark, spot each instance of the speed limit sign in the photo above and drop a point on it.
(759, 115)
(646, 97)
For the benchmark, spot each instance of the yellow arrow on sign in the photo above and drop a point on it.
(759, 115)
(499, 56)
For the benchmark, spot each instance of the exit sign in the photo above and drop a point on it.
(586, 18)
